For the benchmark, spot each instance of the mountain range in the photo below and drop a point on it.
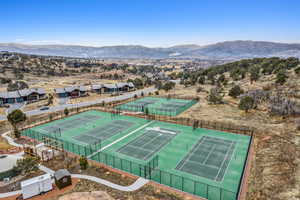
(229, 50)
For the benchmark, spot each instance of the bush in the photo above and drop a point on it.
(214, 96)
(18, 85)
(281, 77)
(297, 124)
(83, 163)
(156, 92)
(66, 111)
(235, 91)
(201, 80)
(297, 70)
(135, 96)
(246, 103)
(17, 133)
(26, 165)
(199, 89)
(142, 94)
(16, 116)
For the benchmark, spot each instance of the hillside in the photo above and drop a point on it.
(230, 50)
(275, 115)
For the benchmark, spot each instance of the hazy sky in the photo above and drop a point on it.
(148, 22)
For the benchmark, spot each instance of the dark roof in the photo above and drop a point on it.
(61, 173)
(110, 85)
(7, 95)
(70, 89)
(27, 92)
(21, 93)
(59, 90)
(96, 87)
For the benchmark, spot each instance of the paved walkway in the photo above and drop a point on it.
(9, 194)
(140, 182)
(10, 140)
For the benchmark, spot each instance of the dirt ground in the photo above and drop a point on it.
(96, 195)
(4, 145)
(2, 111)
(16, 185)
(276, 165)
(91, 97)
(35, 105)
(51, 194)
(147, 192)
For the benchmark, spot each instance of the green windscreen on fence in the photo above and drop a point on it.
(158, 106)
(202, 162)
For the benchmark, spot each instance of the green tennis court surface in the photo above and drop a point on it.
(86, 132)
(158, 106)
(209, 158)
(203, 162)
(146, 145)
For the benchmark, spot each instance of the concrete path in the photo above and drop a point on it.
(14, 106)
(140, 182)
(9, 194)
(135, 186)
(10, 140)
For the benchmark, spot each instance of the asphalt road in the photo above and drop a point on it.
(88, 103)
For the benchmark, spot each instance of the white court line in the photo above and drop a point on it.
(195, 147)
(224, 161)
(212, 149)
(198, 163)
(120, 139)
(159, 147)
(234, 150)
(149, 143)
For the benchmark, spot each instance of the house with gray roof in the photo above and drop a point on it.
(25, 95)
(71, 91)
(111, 88)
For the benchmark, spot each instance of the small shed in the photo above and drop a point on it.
(62, 178)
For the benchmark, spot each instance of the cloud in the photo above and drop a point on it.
(44, 42)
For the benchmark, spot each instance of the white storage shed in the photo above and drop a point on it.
(36, 186)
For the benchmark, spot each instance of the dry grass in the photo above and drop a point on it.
(2, 111)
(4, 145)
(276, 164)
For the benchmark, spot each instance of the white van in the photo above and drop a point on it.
(36, 186)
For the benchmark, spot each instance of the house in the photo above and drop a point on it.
(111, 88)
(19, 96)
(72, 91)
(97, 88)
(33, 94)
(62, 178)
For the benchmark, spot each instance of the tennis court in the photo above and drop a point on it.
(77, 121)
(209, 158)
(203, 162)
(86, 132)
(103, 132)
(158, 106)
(146, 145)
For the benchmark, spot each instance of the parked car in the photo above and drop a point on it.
(44, 108)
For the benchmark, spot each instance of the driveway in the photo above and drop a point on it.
(88, 103)
(14, 106)
(63, 101)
